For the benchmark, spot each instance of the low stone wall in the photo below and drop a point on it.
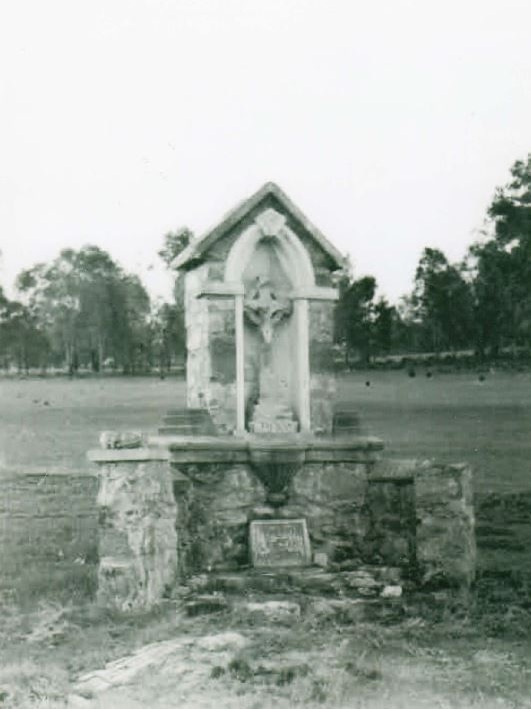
(184, 508)
(47, 522)
(438, 501)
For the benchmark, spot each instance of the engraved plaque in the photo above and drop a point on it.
(280, 542)
(278, 426)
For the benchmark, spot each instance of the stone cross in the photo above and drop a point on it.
(264, 309)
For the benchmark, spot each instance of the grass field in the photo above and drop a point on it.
(447, 655)
(51, 423)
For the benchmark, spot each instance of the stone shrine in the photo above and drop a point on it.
(259, 471)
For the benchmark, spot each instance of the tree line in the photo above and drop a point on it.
(84, 311)
(481, 304)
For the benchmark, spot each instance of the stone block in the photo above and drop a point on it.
(138, 539)
(204, 605)
(391, 592)
(347, 610)
(445, 538)
(273, 611)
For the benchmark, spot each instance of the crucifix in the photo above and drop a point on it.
(264, 309)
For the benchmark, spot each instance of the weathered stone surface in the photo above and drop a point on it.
(138, 540)
(322, 378)
(391, 592)
(122, 439)
(180, 663)
(216, 512)
(273, 611)
(445, 539)
(320, 559)
(331, 497)
(390, 537)
(350, 610)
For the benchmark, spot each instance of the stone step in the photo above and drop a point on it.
(187, 422)
(183, 411)
(366, 582)
(185, 418)
(283, 609)
(345, 422)
(188, 430)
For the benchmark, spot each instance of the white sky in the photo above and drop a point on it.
(389, 123)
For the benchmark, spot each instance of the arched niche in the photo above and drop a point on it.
(270, 226)
(272, 265)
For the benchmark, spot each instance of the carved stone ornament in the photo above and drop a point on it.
(270, 222)
(264, 309)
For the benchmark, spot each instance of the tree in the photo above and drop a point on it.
(442, 303)
(168, 336)
(354, 316)
(89, 309)
(22, 342)
(384, 327)
(169, 319)
(502, 266)
(174, 243)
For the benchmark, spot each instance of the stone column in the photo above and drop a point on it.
(303, 363)
(445, 539)
(137, 528)
(240, 365)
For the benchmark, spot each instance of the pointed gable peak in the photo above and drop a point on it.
(269, 195)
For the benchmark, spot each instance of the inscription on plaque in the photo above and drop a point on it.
(280, 542)
(279, 426)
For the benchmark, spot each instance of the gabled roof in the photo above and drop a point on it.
(195, 251)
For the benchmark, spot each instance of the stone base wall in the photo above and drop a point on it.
(161, 521)
(414, 515)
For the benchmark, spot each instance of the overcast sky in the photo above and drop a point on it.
(389, 123)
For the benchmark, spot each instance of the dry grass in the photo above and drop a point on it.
(445, 658)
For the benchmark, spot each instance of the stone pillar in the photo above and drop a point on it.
(445, 539)
(321, 354)
(221, 396)
(138, 539)
(433, 504)
(214, 371)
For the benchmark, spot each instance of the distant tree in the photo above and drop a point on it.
(89, 309)
(22, 343)
(170, 318)
(355, 316)
(174, 243)
(502, 266)
(384, 327)
(442, 303)
(168, 336)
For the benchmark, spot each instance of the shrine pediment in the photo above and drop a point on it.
(271, 210)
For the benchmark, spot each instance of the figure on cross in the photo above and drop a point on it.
(264, 309)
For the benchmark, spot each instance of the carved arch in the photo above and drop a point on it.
(271, 226)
